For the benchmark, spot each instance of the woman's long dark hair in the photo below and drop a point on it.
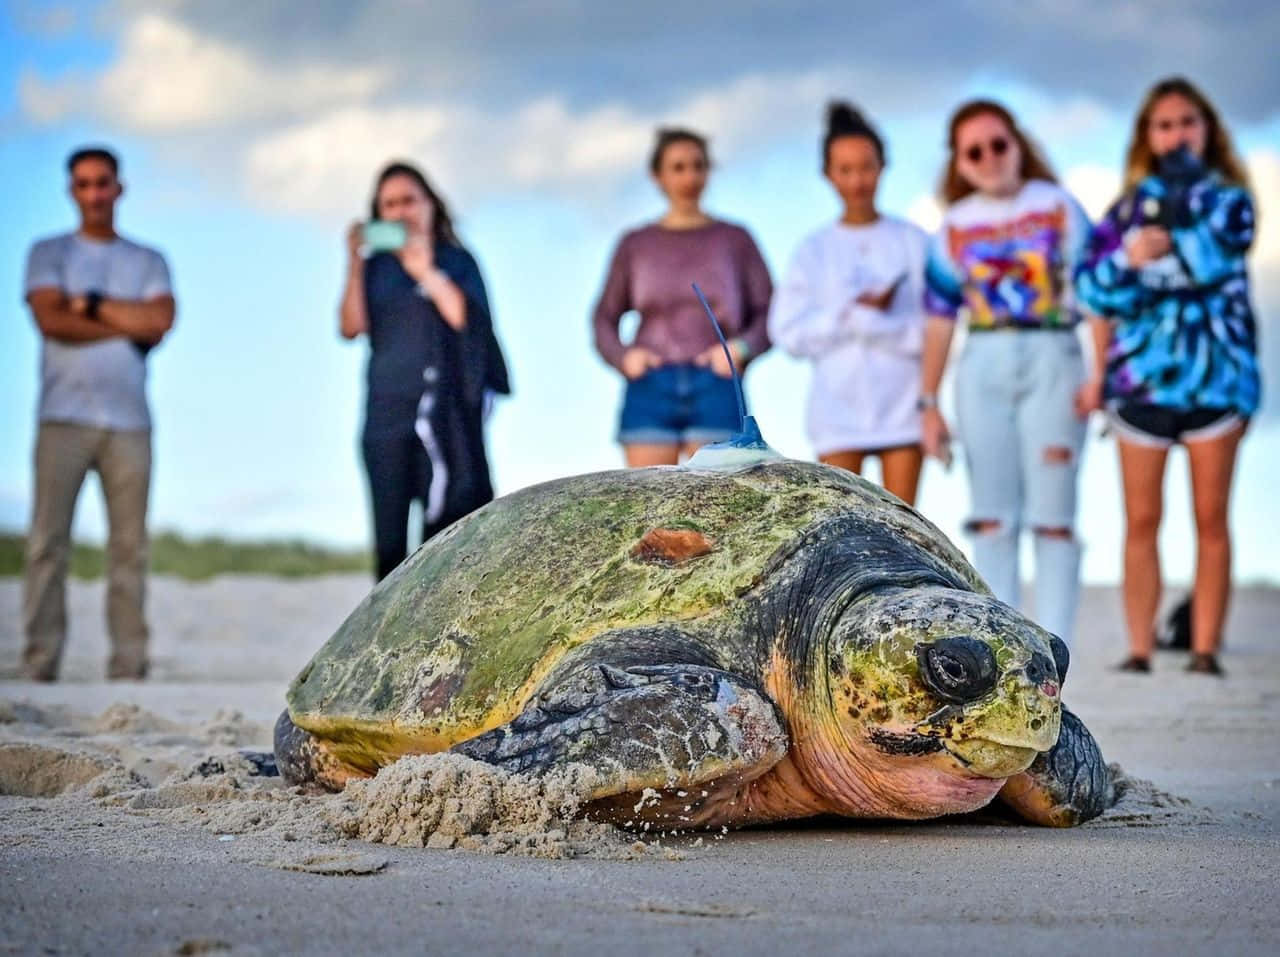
(1034, 166)
(1219, 151)
(441, 222)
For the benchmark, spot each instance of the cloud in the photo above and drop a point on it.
(169, 78)
(1095, 186)
(317, 165)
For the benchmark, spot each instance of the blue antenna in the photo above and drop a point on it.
(749, 435)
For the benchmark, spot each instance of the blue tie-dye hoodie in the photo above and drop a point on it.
(1184, 333)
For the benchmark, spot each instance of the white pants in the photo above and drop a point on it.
(1015, 394)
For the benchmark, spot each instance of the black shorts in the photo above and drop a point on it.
(1159, 427)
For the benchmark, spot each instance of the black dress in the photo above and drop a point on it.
(427, 390)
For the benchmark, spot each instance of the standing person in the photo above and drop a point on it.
(434, 363)
(851, 302)
(1167, 267)
(100, 302)
(1005, 253)
(679, 392)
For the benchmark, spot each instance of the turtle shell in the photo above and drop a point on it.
(458, 637)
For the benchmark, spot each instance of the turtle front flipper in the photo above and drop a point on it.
(1066, 785)
(648, 726)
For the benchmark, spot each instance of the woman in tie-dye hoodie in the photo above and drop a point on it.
(1166, 268)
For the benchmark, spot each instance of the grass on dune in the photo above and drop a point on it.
(198, 559)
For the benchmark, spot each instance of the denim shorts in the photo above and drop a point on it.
(677, 404)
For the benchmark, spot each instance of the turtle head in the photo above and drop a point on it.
(940, 694)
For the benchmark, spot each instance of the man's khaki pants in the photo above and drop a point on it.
(64, 455)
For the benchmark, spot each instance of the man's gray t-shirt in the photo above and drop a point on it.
(102, 383)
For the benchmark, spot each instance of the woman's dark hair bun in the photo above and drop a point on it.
(843, 119)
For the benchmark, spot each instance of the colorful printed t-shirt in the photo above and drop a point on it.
(1008, 262)
(1184, 334)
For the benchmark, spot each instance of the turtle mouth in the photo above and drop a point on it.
(990, 759)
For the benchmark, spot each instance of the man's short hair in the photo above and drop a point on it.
(94, 153)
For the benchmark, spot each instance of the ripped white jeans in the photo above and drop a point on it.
(1015, 393)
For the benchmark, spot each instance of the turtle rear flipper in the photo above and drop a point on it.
(1066, 785)
(302, 758)
(648, 726)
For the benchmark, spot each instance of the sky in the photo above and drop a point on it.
(250, 135)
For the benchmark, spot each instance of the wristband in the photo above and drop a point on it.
(92, 300)
(927, 400)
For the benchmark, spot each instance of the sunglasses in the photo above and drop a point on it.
(998, 146)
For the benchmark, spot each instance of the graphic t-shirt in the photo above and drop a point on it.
(1008, 262)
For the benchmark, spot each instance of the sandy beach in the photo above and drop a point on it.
(128, 823)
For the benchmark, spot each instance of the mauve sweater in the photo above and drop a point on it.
(652, 272)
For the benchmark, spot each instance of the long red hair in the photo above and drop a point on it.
(1034, 166)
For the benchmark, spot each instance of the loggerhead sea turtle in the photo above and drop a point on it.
(752, 638)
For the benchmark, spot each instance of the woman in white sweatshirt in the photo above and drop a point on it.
(851, 302)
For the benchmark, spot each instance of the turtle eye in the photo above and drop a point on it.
(957, 669)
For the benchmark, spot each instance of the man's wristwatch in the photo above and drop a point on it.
(92, 300)
(927, 400)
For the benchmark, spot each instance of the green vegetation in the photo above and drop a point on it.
(199, 559)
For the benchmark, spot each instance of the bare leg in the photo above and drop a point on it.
(1212, 465)
(901, 467)
(1142, 468)
(849, 461)
(688, 448)
(642, 455)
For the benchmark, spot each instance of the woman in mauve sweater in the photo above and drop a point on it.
(679, 393)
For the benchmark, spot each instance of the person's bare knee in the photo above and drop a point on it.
(1059, 532)
(983, 526)
(1058, 455)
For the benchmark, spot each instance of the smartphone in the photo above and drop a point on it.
(384, 235)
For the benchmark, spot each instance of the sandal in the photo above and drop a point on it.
(1135, 664)
(1205, 664)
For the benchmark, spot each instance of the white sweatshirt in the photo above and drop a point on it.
(866, 375)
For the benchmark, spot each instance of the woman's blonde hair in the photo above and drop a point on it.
(1219, 152)
(1034, 166)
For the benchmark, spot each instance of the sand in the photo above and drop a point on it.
(131, 822)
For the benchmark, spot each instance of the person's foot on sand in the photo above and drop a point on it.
(1136, 664)
(1205, 664)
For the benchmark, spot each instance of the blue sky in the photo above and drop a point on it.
(250, 135)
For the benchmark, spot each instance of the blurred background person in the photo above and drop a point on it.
(1166, 266)
(101, 303)
(434, 361)
(852, 302)
(679, 393)
(1004, 256)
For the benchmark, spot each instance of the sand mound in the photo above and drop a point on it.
(122, 718)
(1139, 803)
(446, 800)
(34, 770)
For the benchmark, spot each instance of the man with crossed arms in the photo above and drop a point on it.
(101, 302)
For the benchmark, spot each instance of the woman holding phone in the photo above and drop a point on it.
(1004, 257)
(1166, 268)
(434, 361)
(852, 301)
(679, 393)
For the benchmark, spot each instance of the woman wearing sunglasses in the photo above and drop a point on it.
(1166, 266)
(851, 302)
(1004, 256)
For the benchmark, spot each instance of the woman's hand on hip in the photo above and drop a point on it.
(638, 360)
(713, 358)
